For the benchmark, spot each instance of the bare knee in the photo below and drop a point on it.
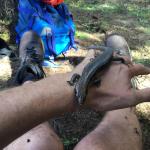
(41, 137)
(119, 130)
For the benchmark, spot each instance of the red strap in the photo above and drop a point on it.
(53, 2)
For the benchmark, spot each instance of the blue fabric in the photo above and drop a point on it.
(55, 26)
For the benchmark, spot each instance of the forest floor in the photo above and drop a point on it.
(92, 19)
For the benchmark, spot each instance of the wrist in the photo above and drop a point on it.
(53, 96)
(74, 104)
(63, 93)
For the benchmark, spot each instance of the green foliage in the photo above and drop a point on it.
(4, 33)
(5, 36)
(109, 10)
(82, 35)
(141, 13)
(71, 141)
(96, 6)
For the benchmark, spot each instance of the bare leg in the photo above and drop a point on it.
(119, 130)
(41, 137)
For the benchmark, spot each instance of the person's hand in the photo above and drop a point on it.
(116, 90)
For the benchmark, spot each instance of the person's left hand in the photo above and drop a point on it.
(116, 90)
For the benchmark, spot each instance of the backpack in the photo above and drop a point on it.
(54, 25)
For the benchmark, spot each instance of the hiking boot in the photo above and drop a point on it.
(31, 54)
(119, 44)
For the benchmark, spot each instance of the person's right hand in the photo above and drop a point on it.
(116, 91)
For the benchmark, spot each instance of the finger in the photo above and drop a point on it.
(138, 69)
(126, 59)
(142, 95)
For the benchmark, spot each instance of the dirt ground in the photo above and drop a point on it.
(93, 19)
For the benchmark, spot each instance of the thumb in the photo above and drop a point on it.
(142, 95)
(138, 69)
